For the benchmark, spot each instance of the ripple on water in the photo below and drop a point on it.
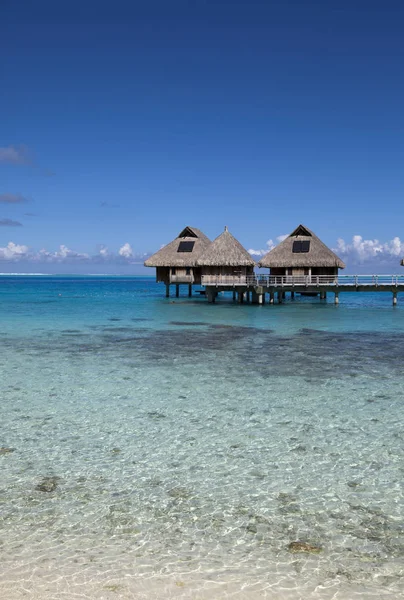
(202, 462)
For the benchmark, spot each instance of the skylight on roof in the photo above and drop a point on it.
(185, 246)
(300, 247)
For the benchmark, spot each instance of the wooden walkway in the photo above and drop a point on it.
(257, 286)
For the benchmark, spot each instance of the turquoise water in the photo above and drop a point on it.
(188, 444)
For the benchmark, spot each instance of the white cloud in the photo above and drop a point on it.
(270, 245)
(360, 251)
(13, 252)
(64, 254)
(126, 251)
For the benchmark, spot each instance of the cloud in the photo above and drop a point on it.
(12, 198)
(270, 245)
(29, 214)
(64, 254)
(13, 252)
(9, 223)
(126, 251)
(125, 255)
(15, 155)
(108, 205)
(361, 251)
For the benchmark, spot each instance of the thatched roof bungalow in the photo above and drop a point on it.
(176, 262)
(302, 253)
(225, 259)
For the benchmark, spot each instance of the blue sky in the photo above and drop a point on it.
(124, 121)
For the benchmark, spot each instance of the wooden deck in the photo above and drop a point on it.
(255, 287)
(290, 282)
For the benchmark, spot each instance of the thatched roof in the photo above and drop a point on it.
(318, 255)
(225, 251)
(181, 252)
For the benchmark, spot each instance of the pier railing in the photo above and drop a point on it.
(303, 280)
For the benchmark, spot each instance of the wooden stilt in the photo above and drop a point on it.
(292, 295)
(234, 295)
(167, 290)
(177, 290)
(336, 299)
(190, 290)
(394, 298)
(271, 297)
(211, 295)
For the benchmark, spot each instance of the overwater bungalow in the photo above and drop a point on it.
(225, 261)
(302, 256)
(176, 263)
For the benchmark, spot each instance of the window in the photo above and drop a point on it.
(187, 271)
(186, 246)
(173, 271)
(300, 247)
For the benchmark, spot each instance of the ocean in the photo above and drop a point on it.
(156, 448)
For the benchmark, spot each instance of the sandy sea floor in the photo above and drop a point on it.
(170, 451)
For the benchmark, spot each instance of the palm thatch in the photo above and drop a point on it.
(319, 255)
(172, 255)
(225, 251)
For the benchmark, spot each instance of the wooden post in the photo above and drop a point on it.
(283, 295)
(260, 298)
(234, 295)
(280, 297)
(190, 290)
(211, 294)
(271, 297)
(336, 299)
(167, 290)
(292, 295)
(394, 298)
(240, 297)
(322, 295)
(177, 290)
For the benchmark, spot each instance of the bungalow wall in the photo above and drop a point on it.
(239, 273)
(169, 275)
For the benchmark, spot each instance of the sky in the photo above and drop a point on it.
(122, 122)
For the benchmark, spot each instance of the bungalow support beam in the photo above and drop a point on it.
(394, 298)
(336, 299)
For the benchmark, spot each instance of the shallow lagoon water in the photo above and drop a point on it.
(189, 444)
